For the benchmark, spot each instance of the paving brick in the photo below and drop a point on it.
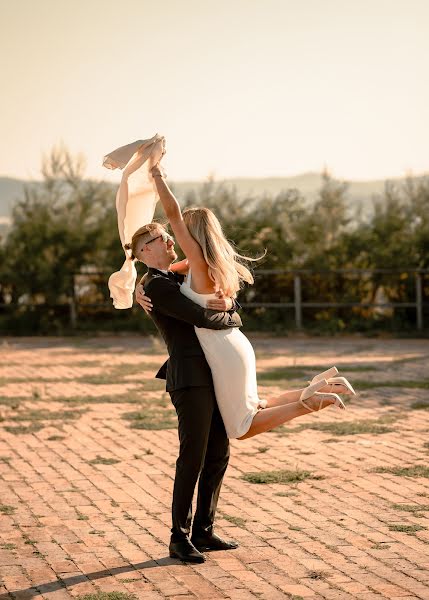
(329, 540)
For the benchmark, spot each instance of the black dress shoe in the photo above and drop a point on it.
(212, 542)
(185, 551)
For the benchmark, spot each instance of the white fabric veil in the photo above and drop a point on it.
(136, 199)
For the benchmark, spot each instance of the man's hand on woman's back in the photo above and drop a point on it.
(142, 299)
(220, 303)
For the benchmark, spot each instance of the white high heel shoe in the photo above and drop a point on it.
(311, 390)
(325, 375)
(322, 397)
(334, 381)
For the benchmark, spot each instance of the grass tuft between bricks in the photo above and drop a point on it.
(283, 476)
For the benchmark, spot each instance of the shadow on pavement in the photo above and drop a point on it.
(67, 582)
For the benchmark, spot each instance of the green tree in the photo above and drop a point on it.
(62, 225)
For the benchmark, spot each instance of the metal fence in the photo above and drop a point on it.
(96, 282)
(298, 304)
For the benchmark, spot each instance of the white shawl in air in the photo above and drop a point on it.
(136, 199)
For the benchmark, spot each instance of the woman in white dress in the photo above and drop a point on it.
(214, 269)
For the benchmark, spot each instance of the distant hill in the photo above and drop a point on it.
(359, 192)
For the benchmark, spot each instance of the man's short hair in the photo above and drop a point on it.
(143, 235)
(147, 232)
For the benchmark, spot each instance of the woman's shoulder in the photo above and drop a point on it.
(181, 267)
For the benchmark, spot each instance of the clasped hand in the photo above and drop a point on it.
(156, 171)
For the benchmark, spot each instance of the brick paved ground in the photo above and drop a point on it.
(69, 526)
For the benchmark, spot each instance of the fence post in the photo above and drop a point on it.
(73, 316)
(297, 301)
(419, 302)
(72, 304)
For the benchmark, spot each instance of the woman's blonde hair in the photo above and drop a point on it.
(225, 264)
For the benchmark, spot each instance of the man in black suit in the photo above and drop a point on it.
(204, 445)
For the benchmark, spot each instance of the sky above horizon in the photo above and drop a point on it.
(239, 88)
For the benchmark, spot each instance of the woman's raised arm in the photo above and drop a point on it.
(190, 247)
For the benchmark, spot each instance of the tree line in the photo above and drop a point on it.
(63, 242)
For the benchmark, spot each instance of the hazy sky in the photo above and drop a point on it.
(238, 87)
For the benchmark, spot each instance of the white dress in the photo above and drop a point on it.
(232, 362)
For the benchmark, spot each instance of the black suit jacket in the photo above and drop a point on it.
(175, 317)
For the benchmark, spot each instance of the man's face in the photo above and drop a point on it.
(159, 249)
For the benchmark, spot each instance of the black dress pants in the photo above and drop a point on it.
(203, 454)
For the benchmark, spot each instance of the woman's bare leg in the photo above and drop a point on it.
(268, 418)
(284, 398)
(273, 416)
(293, 395)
